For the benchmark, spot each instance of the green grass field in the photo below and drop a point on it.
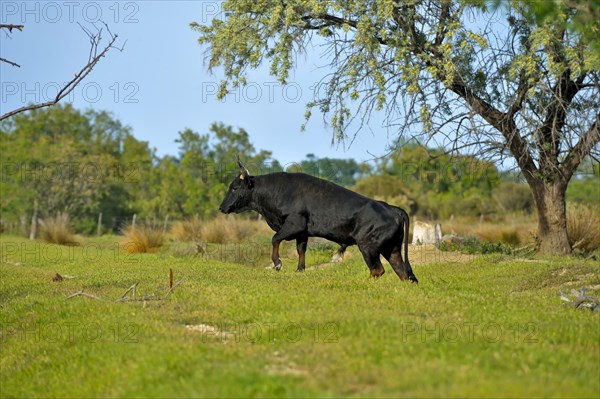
(489, 326)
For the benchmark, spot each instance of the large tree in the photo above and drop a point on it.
(498, 82)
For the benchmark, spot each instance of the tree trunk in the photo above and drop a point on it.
(550, 202)
(34, 221)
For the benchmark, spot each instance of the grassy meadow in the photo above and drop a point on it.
(475, 326)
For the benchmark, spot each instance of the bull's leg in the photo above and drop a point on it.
(301, 244)
(294, 226)
(275, 255)
(372, 259)
(402, 269)
(339, 255)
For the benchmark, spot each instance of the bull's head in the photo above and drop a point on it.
(239, 194)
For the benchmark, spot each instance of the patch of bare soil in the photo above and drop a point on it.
(423, 254)
(280, 364)
(208, 330)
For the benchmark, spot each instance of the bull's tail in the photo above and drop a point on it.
(407, 267)
(406, 222)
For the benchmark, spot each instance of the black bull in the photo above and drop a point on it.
(298, 206)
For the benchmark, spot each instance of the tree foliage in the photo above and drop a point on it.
(435, 185)
(81, 163)
(584, 20)
(195, 181)
(341, 171)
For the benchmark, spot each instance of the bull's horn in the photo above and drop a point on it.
(243, 171)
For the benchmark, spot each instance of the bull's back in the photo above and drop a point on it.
(299, 192)
(332, 211)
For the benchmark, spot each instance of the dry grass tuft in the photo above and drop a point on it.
(225, 229)
(189, 230)
(514, 231)
(142, 239)
(221, 230)
(58, 230)
(583, 226)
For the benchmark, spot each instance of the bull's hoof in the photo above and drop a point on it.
(377, 272)
(274, 266)
(413, 279)
(300, 269)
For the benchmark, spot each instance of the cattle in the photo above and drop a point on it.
(298, 206)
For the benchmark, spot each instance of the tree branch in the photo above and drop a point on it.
(583, 147)
(10, 62)
(549, 132)
(517, 105)
(332, 20)
(441, 32)
(94, 58)
(501, 122)
(10, 27)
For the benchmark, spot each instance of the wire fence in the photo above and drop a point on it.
(28, 225)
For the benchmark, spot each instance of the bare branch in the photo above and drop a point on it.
(173, 288)
(95, 57)
(499, 120)
(124, 296)
(83, 293)
(521, 94)
(10, 62)
(10, 27)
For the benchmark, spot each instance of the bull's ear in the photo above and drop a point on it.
(244, 174)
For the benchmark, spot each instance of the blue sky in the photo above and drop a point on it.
(159, 83)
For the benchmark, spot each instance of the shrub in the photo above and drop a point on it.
(583, 226)
(58, 230)
(513, 197)
(142, 239)
(187, 230)
(473, 245)
(510, 238)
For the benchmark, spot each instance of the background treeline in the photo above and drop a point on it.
(87, 163)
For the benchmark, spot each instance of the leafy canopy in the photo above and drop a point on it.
(458, 73)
